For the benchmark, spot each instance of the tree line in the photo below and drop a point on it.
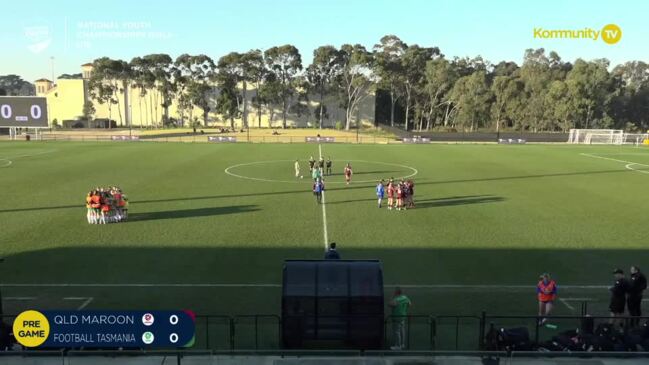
(277, 75)
(416, 87)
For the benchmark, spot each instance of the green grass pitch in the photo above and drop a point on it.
(489, 219)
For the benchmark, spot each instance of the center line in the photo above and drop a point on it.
(324, 210)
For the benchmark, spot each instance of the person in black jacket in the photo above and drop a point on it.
(331, 253)
(618, 295)
(637, 284)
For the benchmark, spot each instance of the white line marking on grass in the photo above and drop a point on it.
(628, 167)
(565, 302)
(86, 301)
(324, 210)
(264, 285)
(228, 170)
(19, 298)
(8, 162)
(628, 163)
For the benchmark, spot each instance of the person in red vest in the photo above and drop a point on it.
(546, 292)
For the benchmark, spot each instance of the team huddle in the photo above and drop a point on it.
(106, 205)
(400, 194)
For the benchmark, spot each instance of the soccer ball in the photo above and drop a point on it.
(301, 176)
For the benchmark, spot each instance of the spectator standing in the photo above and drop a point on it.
(400, 305)
(331, 253)
(637, 285)
(618, 295)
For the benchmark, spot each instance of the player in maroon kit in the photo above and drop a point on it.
(348, 173)
(390, 191)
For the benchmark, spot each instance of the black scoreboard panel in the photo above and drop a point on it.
(23, 111)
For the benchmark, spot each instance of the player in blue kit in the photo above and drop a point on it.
(380, 192)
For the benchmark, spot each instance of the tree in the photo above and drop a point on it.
(70, 76)
(560, 105)
(284, 63)
(389, 68)
(440, 77)
(506, 89)
(160, 82)
(590, 89)
(88, 110)
(256, 72)
(471, 95)
(140, 81)
(322, 74)
(107, 82)
(413, 64)
(357, 78)
(230, 74)
(228, 104)
(536, 75)
(199, 71)
(270, 96)
(14, 85)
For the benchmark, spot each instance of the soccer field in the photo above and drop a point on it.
(211, 224)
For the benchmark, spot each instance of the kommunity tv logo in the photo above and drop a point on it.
(610, 33)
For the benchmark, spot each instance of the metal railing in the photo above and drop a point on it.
(455, 333)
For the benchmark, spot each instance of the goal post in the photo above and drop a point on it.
(596, 136)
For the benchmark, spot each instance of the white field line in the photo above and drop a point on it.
(324, 211)
(477, 287)
(628, 167)
(228, 170)
(19, 298)
(565, 302)
(86, 301)
(8, 162)
(628, 164)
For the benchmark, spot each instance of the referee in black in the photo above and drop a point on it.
(618, 296)
(637, 284)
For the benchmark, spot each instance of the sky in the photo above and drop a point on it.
(38, 36)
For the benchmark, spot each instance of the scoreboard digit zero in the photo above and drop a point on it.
(23, 111)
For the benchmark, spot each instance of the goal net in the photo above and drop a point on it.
(596, 136)
(636, 139)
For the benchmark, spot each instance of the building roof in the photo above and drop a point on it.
(43, 79)
(86, 64)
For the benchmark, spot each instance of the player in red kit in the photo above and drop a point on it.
(390, 191)
(348, 173)
(399, 197)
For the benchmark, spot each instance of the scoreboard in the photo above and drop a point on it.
(105, 329)
(23, 111)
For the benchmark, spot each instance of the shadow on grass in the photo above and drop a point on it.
(246, 279)
(191, 213)
(438, 202)
(307, 189)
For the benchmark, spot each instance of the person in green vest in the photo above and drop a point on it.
(400, 304)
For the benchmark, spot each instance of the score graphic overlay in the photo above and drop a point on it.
(105, 329)
(23, 111)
